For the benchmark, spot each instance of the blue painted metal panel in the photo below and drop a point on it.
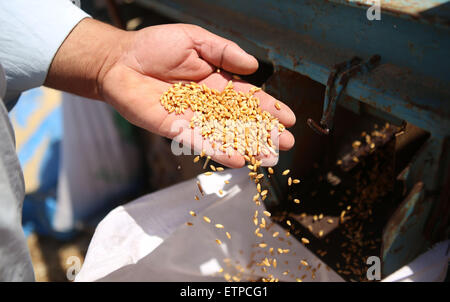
(400, 241)
(412, 83)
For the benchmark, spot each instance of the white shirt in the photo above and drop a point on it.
(31, 33)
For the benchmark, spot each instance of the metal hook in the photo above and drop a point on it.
(330, 98)
(341, 74)
(316, 127)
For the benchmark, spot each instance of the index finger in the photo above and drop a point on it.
(222, 53)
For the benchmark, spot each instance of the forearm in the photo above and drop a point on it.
(82, 60)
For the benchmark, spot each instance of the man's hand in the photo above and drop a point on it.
(131, 70)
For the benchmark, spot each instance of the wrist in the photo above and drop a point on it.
(85, 57)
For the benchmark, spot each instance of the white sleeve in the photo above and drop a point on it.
(31, 33)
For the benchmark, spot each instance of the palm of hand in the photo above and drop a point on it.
(156, 57)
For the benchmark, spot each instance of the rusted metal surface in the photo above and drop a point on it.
(416, 226)
(344, 209)
(400, 216)
(369, 144)
(343, 245)
(438, 224)
(403, 237)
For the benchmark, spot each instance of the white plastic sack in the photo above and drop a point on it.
(97, 162)
(148, 239)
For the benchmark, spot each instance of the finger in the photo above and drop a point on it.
(269, 161)
(193, 68)
(286, 140)
(222, 53)
(203, 70)
(282, 141)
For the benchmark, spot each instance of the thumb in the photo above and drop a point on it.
(222, 53)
